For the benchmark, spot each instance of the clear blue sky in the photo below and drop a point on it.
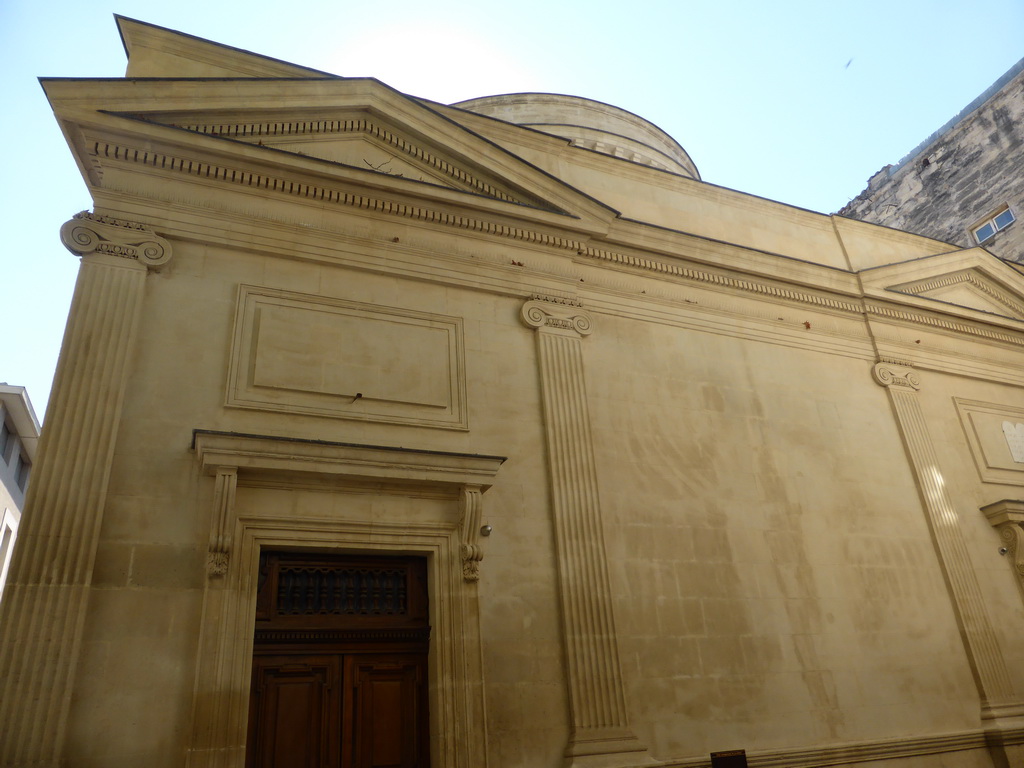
(798, 101)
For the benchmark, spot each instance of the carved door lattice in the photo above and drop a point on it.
(356, 598)
(309, 589)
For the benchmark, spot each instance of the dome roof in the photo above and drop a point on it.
(590, 124)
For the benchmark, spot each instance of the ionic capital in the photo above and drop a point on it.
(896, 374)
(543, 313)
(89, 233)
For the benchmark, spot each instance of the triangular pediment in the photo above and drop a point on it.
(347, 132)
(354, 137)
(967, 288)
(967, 282)
(250, 120)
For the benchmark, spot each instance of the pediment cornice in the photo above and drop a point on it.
(280, 133)
(975, 281)
(351, 188)
(971, 284)
(252, 126)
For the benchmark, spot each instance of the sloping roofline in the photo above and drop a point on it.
(19, 410)
(123, 21)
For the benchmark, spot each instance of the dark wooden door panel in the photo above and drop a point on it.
(389, 725)
(339, 663)
(294, 712)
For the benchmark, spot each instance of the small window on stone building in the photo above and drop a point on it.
(6, 440)
(24, 468)
(1001, 220)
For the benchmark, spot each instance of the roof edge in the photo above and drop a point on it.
(19, 408)
(124, 24)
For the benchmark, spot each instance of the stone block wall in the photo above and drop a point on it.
(967, 172)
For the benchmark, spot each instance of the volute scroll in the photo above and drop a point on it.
(552, 314)
(896, 373)
(87, 233)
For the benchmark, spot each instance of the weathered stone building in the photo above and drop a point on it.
(963, 184)
(394, 433)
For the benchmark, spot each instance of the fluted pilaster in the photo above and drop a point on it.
(43, 612)
(597, 704)
(984, 654)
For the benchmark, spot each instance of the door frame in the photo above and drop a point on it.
(454, 663)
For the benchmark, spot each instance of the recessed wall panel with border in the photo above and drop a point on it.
(322, 356)
(993, 433)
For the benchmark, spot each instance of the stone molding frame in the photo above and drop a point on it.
(223, 668)
(429, 350)
(985, 427)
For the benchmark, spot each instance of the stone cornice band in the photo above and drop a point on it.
(580, 248)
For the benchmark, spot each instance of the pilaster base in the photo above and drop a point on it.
(216, 757)
(1004, 754)
(1004, 733)
(606, 748)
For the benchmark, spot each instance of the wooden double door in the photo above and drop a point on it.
(339, 674)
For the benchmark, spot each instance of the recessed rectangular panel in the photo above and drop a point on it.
(293, 714)
(995, 433)
(331, 357)
(334, 353)
(389, 729)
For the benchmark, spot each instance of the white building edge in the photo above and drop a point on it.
(19, 435)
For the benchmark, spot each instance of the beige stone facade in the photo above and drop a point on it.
(689, 470)
(964, 183)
